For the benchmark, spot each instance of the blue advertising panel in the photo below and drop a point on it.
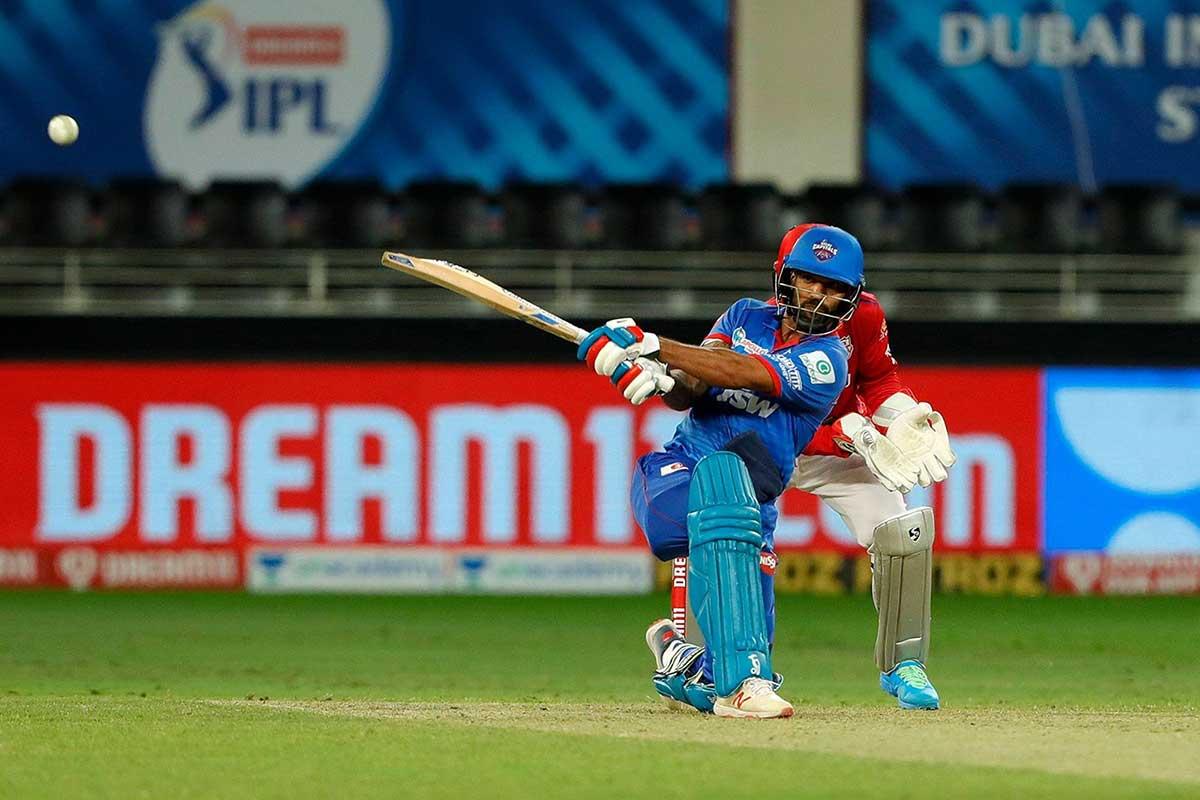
(1122, 473)
(397, 89)
(1000, 91)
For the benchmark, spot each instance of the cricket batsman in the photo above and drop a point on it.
(759, 388)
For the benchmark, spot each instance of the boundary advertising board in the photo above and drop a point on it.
(161, 475)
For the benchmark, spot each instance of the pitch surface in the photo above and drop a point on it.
(230, 695)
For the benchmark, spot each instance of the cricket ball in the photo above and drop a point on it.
(63, 130)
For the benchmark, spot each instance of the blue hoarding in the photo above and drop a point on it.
(400, 90)
(1122, 472)
(999, 91)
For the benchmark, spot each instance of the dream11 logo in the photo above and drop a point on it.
(258, 88)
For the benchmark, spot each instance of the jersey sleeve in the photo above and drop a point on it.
(809, 379)
(723, 328)
(878, 374)
(822, 444)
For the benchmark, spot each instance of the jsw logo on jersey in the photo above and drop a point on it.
(748, 401)
(252, 90)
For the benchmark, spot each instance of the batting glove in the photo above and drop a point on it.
(615, 342)
(887, 462)
(644, 379)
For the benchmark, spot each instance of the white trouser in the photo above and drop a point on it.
(847, 486)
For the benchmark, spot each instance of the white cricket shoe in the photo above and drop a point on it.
(754, 699)
(672, 653)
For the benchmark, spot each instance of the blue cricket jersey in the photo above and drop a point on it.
(809, 375)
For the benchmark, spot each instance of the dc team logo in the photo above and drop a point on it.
(823, 250)
(263, 89)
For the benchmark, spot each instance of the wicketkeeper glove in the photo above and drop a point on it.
(615, 342)
(887, 462)
(920, 433)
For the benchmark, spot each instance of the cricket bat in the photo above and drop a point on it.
(476, 287)
(462, 281)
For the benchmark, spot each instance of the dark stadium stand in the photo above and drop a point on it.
(245, 249)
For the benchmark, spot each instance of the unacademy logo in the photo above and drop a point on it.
(263, 89)
(271, 563)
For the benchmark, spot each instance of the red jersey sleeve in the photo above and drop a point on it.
(821, 444)
(878, 375)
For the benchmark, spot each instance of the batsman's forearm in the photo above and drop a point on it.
(686, 392)
(717, 366)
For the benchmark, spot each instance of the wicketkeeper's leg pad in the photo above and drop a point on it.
(724, 539)
(902, 553)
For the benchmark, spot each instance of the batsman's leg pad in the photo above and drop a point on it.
(902, 553)
(724, 540)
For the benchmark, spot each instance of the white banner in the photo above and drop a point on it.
(423, 570)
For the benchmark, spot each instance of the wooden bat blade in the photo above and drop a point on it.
(465, 282)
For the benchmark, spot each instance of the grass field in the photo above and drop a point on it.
(220, 695)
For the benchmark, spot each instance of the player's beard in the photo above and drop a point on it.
(806, 314)
(804, 318)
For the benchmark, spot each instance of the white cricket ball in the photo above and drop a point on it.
(63, 130)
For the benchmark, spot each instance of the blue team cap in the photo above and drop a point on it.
(827, 252)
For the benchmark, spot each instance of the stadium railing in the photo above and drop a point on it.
(583, 283)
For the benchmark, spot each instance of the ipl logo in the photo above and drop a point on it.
(247, 90)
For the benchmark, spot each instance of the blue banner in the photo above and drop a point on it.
(399, 90)
(1000, 91)
(1122, 474)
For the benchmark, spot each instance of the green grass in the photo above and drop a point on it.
(113, 695)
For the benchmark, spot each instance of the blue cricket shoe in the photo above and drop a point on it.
(677, 674)
(909, 684)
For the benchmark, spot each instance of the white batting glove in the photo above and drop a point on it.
(646, 378)
(887, 462)
(920, 433)
(616, 341)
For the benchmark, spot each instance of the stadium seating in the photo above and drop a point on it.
(864, 210)
(345, 214)
(142, 212)
(740, 216)
(1041, 218)
(946, 218)
(245, 214)
(545, 215)
(644, 217)
(1136, 218)
(937, 218)
(48, 211)
(446, 214)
